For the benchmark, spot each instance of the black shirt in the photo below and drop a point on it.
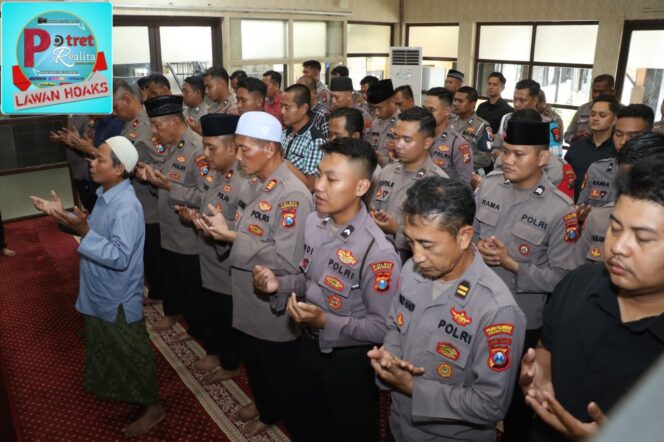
(582, 153)
(493, 113)
(594, 355)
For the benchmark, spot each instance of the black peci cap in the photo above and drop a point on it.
(164, 105)
(214, 125)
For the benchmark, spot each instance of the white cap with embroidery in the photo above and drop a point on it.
(260, 125)
(124, 150)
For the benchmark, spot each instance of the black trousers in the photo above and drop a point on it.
(3, 244)
(519, 419)
(182, 284)
(272, 369)
(339, 394)
(152, 261)
(217, 333)
(87, 195)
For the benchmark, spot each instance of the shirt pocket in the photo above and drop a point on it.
(446, 359)
(529, 242)
(487, 216)
(337, 293)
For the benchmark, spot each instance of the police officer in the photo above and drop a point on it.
(453, 328)
(251, 93)
(152, 153)
(341, 89)
(414, 133)
(179, 180)
(449, 151)
(380, 97)
(579, 126)
(221, 189)
(269, 233)
(525, 230)
(313, 68)
(142, 84)
(348, 278)
(597, 188)
(193, 94)
(158, 86)
(473, 128)
(217, 88)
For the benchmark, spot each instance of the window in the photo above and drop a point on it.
(368, 50)
(640, 73)
(440, 46)
(176, 47)
(559, 56)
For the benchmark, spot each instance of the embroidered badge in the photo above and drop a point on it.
(465, 150)
(448, 350)
(174, 175)
(444, 371)
(499, 358)
(255, 229)
(135, 123)
(444, 148)
(335, 302)
(524, 249)
(289, 205)
(209, 179)
(181, 144)
(438, 162)
(288, 218)
(498, 329)
(181, 159)
(383, 275)
(264, 206)
(304, 263)
(539, 190)
(595, 252)
(571, 227)
(203, 167)
(229, 174)
(228, 188)
(132, 135)
(461, 317)
(347, 257)
(334, 283)
(270, 185)
(462, 289)
(399, 320)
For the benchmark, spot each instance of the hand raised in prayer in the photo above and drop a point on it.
(385, 221)
(555, 415)
(194, 124)
(389, 369)
(47, 206)
(265, 280)
(140, 171)
(495, 253)
(582, 211)
(157, 179)
(217, 225)
(185, 214)
(77, 221)
(305, 313)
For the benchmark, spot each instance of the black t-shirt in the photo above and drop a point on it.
(594, 355)
(582, 153)
(493, 113)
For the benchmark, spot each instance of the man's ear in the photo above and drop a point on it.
(465, 237)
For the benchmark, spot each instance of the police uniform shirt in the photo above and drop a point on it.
(368, 122)
(196, 112)
(493, 113)
(595, 356)
(186, 168)
(270, 234)
(228, 106)
(221, 189)
(468, 340)
(77, 160)
(590, 246)
(151, 152)
(478, 133)
(583, 152)
(452, 153)
(598, 187)
(351, 274)
(580, 122)
(393, 183)
(539, 228)
(382, 138)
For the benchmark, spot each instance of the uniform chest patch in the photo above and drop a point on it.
(334, 283)
(448, 350)
(444, 370)
(347, 257)
(460, 317)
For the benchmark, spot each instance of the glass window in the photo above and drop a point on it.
(505, 42)
(360, 67)
(564, 85)
(565, 114)
(512, 73)
(571, 44)
(257, 70)
(185, 51)
(317, 39)
(368, 39)
(131, 51)
(435, 41)
(644, 71)
(259, 39)
(434, 71)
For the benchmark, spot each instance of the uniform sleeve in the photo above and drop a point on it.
(295, 283)
(462, 159)
(292, 213)
(476, 223)
(572, 128)
(498, 139)
(190, 196)
(583, 244)
(584, 193)
(115, 253)
(495, 364)
(534, 278)
(378, 285)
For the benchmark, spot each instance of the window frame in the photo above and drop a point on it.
(629, 26)
(407, 40)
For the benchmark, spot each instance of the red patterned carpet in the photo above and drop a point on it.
(42, 358)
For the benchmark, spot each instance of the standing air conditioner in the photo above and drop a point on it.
(406, 69)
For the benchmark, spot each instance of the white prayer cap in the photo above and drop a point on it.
(259, 125)
(124, 150)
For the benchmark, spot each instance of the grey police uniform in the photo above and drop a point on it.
(150, 152)
(196, 112)
(228, 106)
(382, 138)
(590, 246)
(393, 183)
(351, 274)
(598, 187)
(539, 228)
(453, 154)
(478, 133)
(269, 233)
(368, 122)
(467, 339)
(580, 122)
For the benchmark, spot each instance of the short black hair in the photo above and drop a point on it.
(309, 82)
(196, 83)
(341, 71)
(450, 200)
(499, 76)
(605, 78)
(647, 145)
(424, 116)
(314, 64)
(275, 77)
(354, 119)
(301, 94)
(160, 80)
(253, 85)
(357, 150)
(406, 92)
(369, 80)
(218, 72)
(614, 104)
(239, 74)
(641, 111)
(645, 181)
(530, 84)
(470, 92)
(526, 115)
(444, 95)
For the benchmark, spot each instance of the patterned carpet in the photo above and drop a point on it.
(42, 357)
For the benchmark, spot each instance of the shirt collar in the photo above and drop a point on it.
(113, 191)
(304, 128)
(351, 227)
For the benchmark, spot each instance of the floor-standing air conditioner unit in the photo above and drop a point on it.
(406, 69)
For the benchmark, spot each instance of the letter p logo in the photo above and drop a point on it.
(29, 46)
